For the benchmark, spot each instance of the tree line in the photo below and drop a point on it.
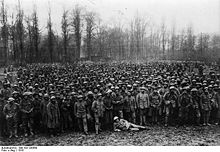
(85, 35)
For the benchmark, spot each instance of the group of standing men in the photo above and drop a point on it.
(50, 98)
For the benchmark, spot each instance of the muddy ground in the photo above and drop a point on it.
(156, 135)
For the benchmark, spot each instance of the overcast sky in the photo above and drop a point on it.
(204, 15)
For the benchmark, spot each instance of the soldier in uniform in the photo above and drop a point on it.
(36, 113)
(72, 103)
(11, 110)
(127, 107)
(218, 103)
(155, 103)
(17, 97)
(80, 109)
(98, 109)
(6, 90)
(3, 127)
(206, 107)
(132, 107)
(27, 107)
(143, 105)
(196, 104)
(118, 103)
(90, 119)
(108, 114)
(65, 114)
(53, 113)
(170, 104)
(184, 104)
(43, 110)
(214, 104)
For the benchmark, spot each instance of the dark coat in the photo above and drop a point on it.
(53, 114)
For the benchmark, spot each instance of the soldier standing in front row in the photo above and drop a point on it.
(196, 103)
(36, 113)
(43, 110)
(170, 100)
(11, 110)
(98, 109)
(155, 103)
(143, 105)
(26, 107)
(3, 127)
(108, 114)
(184, 105)
(80, 109)
(53, 113)
(206, 107)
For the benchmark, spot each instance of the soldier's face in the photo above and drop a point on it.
(193, 93)
(117, 120)
(53, 101)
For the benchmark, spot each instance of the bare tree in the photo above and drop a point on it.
(163, 38)
(65, 32)
(90, 26)
(100, 36)
(140, 25)
(35, 33)
(214, 46)
(30, 40)
(190, 42)
(50, 36)
(4, 31)
(76, 23)
(173, 41)
(13, 38)
(20, 33)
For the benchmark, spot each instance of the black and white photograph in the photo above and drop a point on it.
(109, 73)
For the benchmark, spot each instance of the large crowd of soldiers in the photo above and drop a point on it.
(53, 99)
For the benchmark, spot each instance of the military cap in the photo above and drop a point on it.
(10, 99)
(194, 90)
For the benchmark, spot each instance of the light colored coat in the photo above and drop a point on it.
(143, 100)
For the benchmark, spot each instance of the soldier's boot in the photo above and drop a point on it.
(16, 132)
(198, 121)
(207, 120)
(204, 120)
(79, 124)
(85, 126)
(141, 120)
(11, 134)
(51, 132)
(31, 131)
(144, 120)
(156, 119)
(166, 121)
(152, 119)
(25, 131)
(96, 129)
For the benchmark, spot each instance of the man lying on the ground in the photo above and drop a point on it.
(124, 125)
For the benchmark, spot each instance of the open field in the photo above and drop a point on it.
(156, 136)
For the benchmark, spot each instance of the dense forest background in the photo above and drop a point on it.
(85, 37)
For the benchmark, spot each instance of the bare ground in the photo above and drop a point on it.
(156, 136)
